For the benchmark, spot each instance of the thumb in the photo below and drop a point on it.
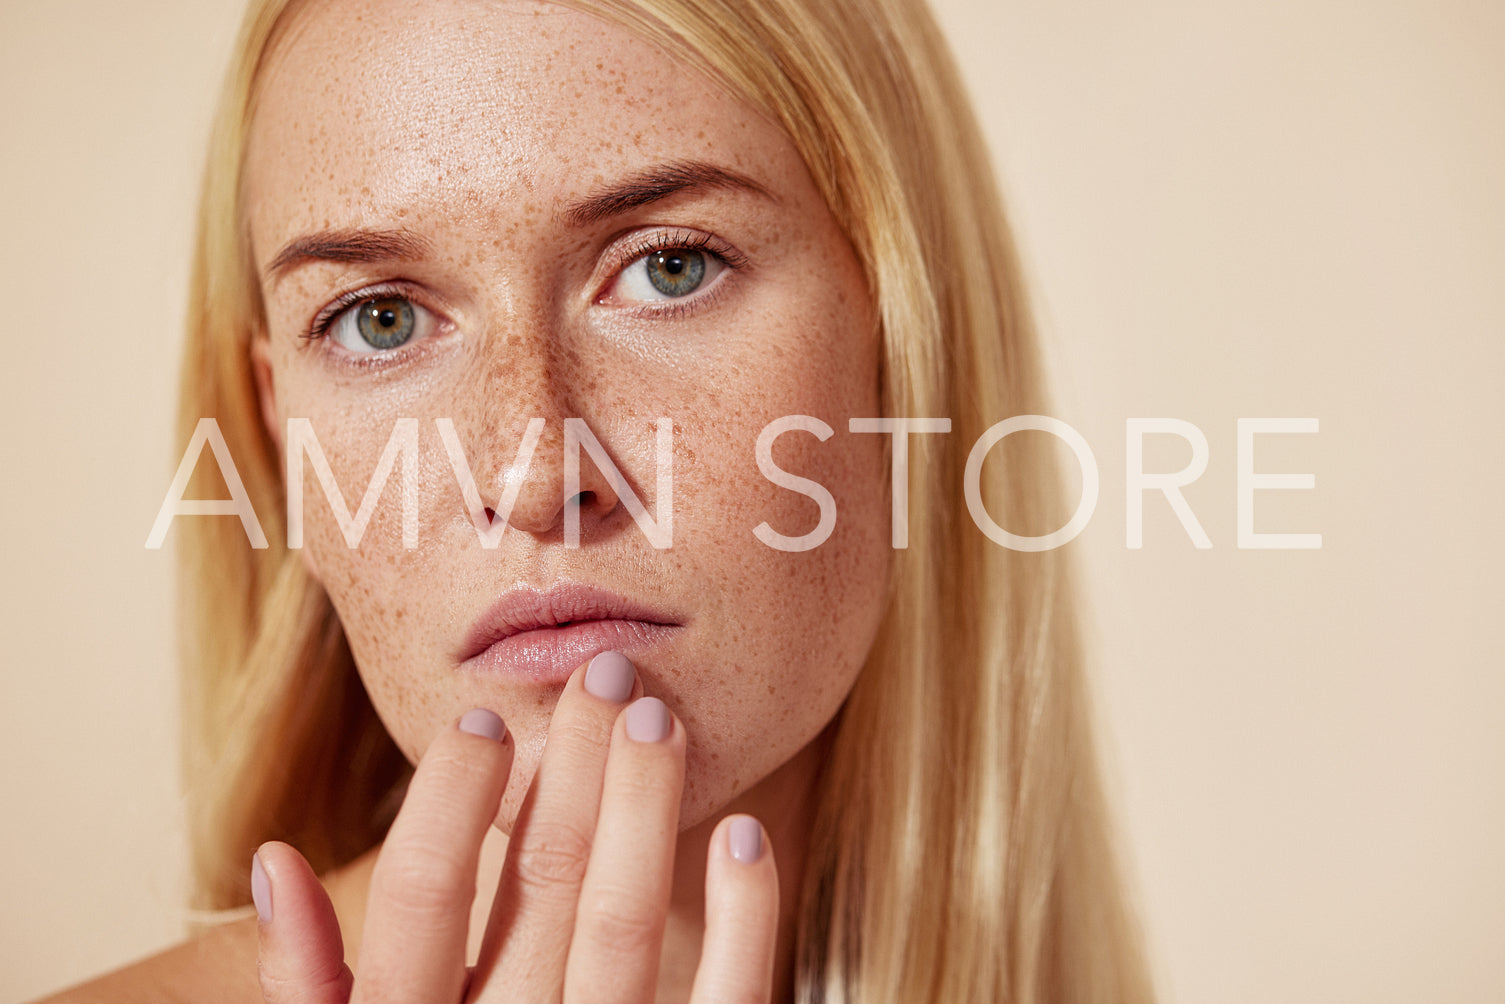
(301, 958)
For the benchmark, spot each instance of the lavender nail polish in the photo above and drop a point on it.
(744, 839)
(647, 720)
(261, 890)
(480, 722)
(609, 677)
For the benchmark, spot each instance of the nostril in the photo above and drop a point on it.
(582, 500)
(490, 515)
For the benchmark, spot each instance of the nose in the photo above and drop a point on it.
(534, 493)
(524, 476)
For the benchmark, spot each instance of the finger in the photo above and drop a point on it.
(301, 956)
(424, 882)
(528, 936)
(742, 916)
(619, 923)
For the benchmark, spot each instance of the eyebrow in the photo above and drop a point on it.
(654, 183)
(639, 189)
(348, 246)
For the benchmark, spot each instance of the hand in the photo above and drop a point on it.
(579, 913)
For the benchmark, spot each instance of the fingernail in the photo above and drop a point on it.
(261, 890)
(609, 677)
(744, 839)
(647, 720)
(480, 722)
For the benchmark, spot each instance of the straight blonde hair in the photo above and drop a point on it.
(962, 850)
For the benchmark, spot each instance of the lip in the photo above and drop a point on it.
(543, 635)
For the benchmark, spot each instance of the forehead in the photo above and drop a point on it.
(372, 108)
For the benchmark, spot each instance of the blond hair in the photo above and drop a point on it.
(963, 856)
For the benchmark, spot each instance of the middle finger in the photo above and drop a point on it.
(624, 900)
(528, 936)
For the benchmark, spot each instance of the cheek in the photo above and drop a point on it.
(382, 591)
(791, 630)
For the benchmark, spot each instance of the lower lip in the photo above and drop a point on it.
(550, 655)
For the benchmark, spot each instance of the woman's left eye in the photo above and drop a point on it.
(666, 274)
(380, 324)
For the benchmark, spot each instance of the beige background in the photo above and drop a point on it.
(1228, 210)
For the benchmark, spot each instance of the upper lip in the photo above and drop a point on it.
(527, 609)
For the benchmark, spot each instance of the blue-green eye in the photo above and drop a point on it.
(676, 272)
(380, 324)
(670, 273)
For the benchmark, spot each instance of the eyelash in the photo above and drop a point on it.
(674, 240)
(325, 318)
(628, 255)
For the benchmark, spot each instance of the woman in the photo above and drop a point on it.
(707, 245)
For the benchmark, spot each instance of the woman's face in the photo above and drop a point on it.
(526, 212)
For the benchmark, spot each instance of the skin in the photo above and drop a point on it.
(468, 152)
(438, 127)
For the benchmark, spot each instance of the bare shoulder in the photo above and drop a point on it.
(219, 965)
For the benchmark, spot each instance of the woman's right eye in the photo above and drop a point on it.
(380, 324)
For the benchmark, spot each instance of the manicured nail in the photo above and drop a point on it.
(744, 839)
(480, 722)
(647, 720)
(609, 677)
(261, 890)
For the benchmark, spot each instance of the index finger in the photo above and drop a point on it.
(418, 914)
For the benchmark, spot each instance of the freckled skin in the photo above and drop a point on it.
(473, 126)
